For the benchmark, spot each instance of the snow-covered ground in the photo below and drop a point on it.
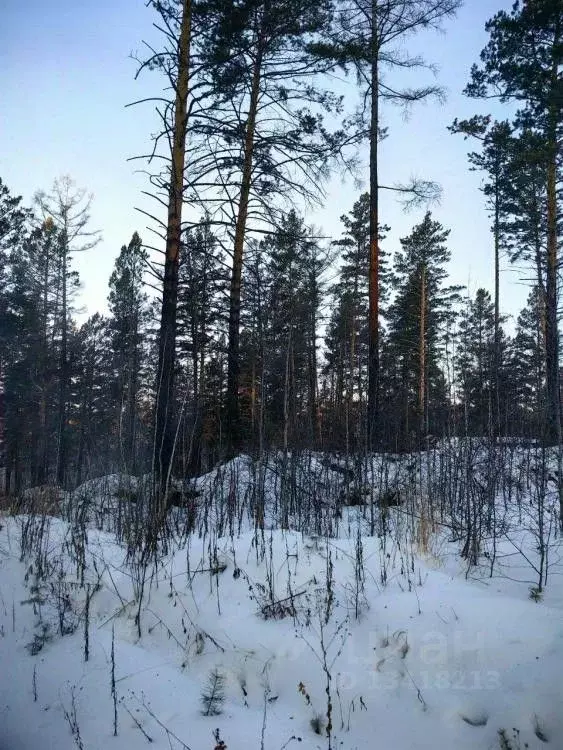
(391, 636)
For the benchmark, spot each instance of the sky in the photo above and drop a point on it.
(67, 73)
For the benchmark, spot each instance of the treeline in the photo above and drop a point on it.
(267, 334)
(79, 400)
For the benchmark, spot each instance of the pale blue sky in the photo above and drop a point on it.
(66, 75)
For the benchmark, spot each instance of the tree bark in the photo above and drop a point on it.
(233, 357)
(133, 387)
(496, 354)
(422, 353)
(552, 333)
(552, 330)
(164, 412)
(373, 324)
(43, 363)
(3, 455)
(64, 375)
(313, 375)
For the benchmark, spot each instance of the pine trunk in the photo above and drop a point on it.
(132, 415)
(422, 354)
(3, 456)
(64, 378)
(495, 423)
(43, 440)
(552, 333)
(313, 375)
(165, 409)
(373, 327)
(233, 364)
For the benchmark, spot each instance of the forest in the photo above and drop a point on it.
(245, 329)
(257, 384)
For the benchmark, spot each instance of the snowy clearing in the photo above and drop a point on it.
(342, 640)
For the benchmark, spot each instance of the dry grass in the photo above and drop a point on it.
(423, 531)
(6, 504)
(426, 538)
(44, 500)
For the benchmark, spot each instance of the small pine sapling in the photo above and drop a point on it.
(213, 696)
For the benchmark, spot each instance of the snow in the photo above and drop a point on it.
(423, 652)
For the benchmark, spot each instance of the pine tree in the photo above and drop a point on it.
(496, 160)
(480, 374)
(203, 282)
(521, 63)
(92, 421)
(128, 309)
(21, 326)
(175, 61)
(416, 320)
(29, 341)
(347, 340)
(527, 368)
(254, 317)
(13, 219)
(43, 259)
(294, 265)
(367, 35)
(269, 139)
(69, 210)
